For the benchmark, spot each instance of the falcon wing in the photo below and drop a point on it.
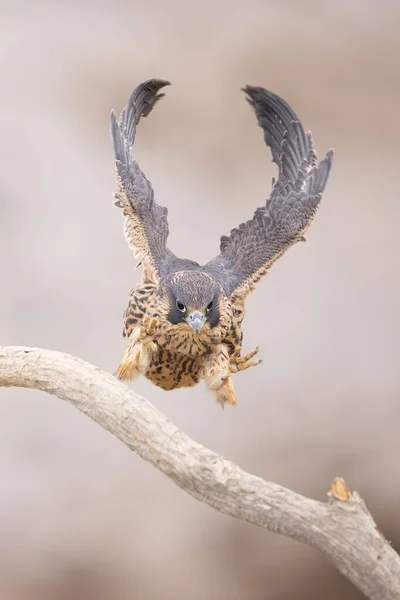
(146, 225)
(250, 250)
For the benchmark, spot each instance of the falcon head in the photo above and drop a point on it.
(198, 304)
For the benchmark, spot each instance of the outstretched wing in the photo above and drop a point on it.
(250, 250)
(146, 225)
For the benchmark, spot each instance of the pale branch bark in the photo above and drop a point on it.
(342, 529)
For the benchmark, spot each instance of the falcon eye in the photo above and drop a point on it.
(180, 306)
(209, 306)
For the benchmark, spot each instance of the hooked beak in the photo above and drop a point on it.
(196, 320)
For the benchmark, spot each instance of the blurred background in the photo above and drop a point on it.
(81, 516)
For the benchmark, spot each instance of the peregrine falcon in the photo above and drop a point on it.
(183, 320)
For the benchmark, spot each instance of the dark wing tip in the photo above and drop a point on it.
(280, 125)
(269, 106)
(154, 84)
(253, 93)
(146, 94)
(259, 96)
(140, 104)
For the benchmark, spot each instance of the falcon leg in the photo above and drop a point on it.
(221, 366)
(224, 393)
(128, 369)
(147, 331)
(139, 349)
(217, 377)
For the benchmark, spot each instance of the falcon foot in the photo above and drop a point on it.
(222, 366)
(147, 331)
(241, 363)
(139, 349)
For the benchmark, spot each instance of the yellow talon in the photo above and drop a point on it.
(247, 357)
(241, 363)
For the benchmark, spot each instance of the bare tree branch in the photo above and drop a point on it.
(342, 529)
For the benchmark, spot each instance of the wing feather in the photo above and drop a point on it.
(250, 249)
(146, 225)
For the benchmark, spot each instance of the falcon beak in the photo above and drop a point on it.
(196, 320)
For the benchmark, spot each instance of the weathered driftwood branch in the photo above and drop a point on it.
(342, 529)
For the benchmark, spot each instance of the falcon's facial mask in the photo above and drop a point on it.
(194, 299)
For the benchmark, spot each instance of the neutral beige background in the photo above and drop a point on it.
(80, 516)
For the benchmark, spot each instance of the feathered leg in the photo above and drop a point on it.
(219, 368)
(139, 350)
